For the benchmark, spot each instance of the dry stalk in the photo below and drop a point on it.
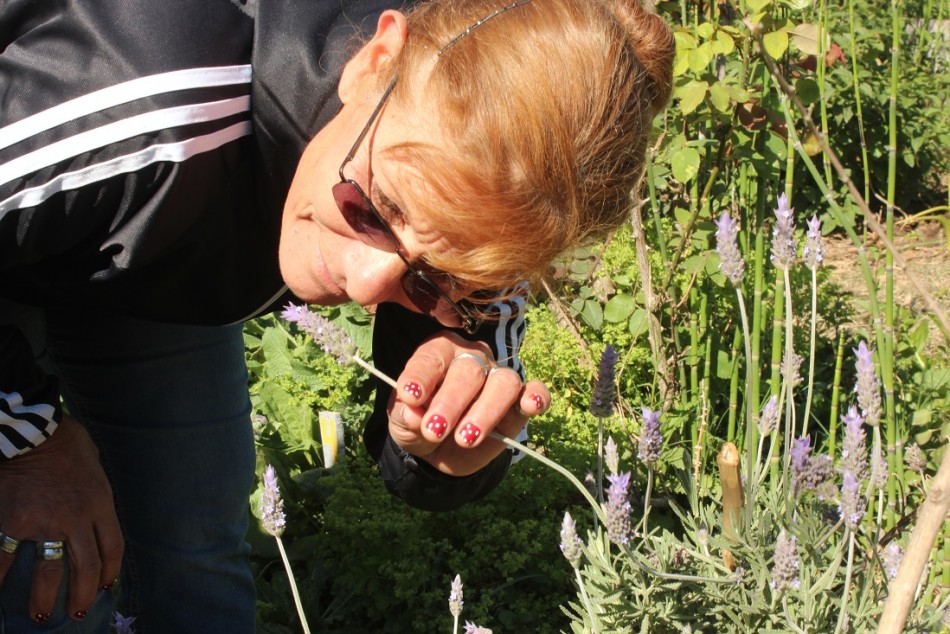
(930, 516)
(732, 497)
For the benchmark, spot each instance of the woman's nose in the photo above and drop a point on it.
(376, 277)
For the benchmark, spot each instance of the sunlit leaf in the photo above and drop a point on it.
(593, 314)
(700, 58)
(638, 322)
(619, 308)
(691, 95)
(685, 164)
(720, 98)
(723, 44)
(757, 5)
(805, 38)
(776, 43)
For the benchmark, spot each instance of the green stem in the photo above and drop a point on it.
(293, 586)
(646, 502)
(847, 581)
(835, 397)
(372, 370)
(587, 605)
(811, 350)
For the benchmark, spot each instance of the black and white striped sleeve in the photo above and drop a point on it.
(29, 400)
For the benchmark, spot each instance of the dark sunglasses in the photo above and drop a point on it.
(361, 215)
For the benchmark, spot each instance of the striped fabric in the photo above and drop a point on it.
(121, 129)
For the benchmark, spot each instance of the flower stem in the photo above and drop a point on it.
(847, 581)
(598, 511)
(646, 501)
(587, 604)
(372, 370)
(293, 586)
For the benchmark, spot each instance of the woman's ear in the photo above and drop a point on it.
(360, 72)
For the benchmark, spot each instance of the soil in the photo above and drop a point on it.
(925, 247)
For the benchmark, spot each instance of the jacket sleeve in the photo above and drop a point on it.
(29, 409)
(397, 334)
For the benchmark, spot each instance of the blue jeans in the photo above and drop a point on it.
(168, 407)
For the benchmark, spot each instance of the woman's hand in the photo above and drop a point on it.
(58, 492)
(451, 395)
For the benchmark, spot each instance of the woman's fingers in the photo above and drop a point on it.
(58, 497)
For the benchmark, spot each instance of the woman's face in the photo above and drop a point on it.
(323, 259)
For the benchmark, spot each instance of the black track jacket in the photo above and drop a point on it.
(145, 152)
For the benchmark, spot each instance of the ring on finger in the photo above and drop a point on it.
(50, 551)
(480, 360)
(8, 544)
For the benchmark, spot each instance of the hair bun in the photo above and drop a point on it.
(654, 45)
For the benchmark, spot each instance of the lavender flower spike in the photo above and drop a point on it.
(852, 504)
(891, 558)
(801, 452)
(455, 597)
(330, 337)
(602, 399)
(868, 385)
(617, 509)
(785, 567)
(471, 628)
(854, 452)
(814, 252)
(570, 542)
(768, 420)
(730, 260)
(612, 456)
(914, 457)
(272, 506)
(783, 235)
(651, 440)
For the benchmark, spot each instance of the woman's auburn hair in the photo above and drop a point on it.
(545, 111)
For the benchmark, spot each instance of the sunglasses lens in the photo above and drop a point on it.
(356, 211)
(420, 292)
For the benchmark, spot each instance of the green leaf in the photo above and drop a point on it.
(619, 308)
(720, 98)
(274, 343)
(593, 314)
(685, 164)
(776, 43)
(691, 95)
(700, 58)
(723, 44)
(638, 322)
(705, 30)
(798, 5)
(693, 264)
(808, 90)
(757, 5)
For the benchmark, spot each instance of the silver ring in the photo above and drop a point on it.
(50, 551)
(480, 360)
(8, 544)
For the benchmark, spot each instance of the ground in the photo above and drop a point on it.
(924, 244)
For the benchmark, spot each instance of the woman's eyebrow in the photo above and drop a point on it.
(388, 202)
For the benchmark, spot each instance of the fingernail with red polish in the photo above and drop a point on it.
(470, 433)
(41, 618)
(437, 425)
(413, 389)
(79, 615)
(538, 401)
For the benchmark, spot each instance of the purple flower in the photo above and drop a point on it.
(602, 400)
(854, 458)
(879, 470)
(471, 628)
(785, 566)
(330, 337)
(123, 624)
(651, 440)
(818, 476)
(617, 509)
(611, 455)
(801, 450)
(783, 235)
(730, 260)
(570, 542)
(852, 505)
(814, 252)
(768, 420)
(868, 385)
(455, 597)
(891, 558)
(272, 506)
